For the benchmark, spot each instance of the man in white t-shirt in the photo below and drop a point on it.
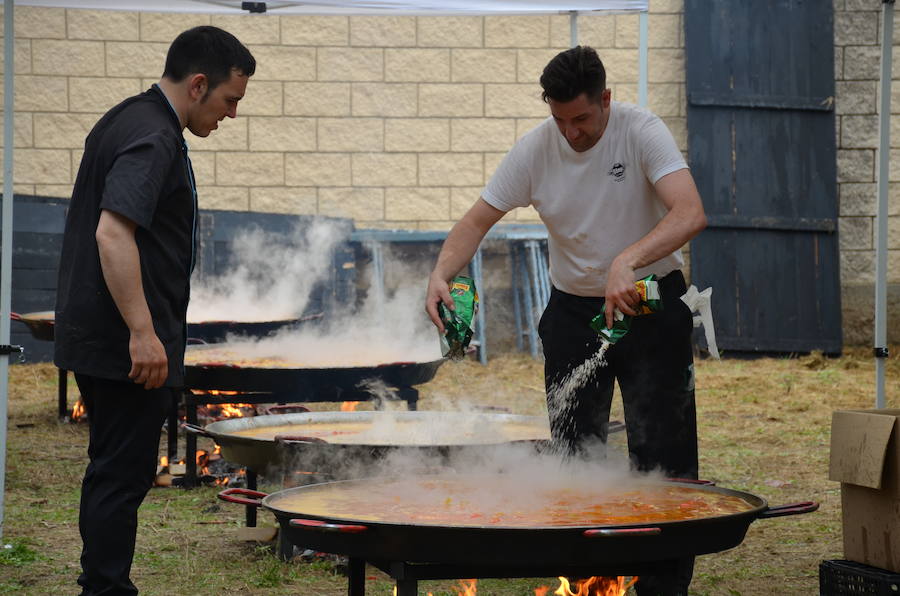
(619, 202)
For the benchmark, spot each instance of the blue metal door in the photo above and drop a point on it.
(761, 133)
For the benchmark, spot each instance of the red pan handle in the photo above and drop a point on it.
(298, 439)
(197, 430)
(316, 524)
(229, 495)
(790, 509)
(621, 532)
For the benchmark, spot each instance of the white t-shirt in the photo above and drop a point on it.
(595, 203)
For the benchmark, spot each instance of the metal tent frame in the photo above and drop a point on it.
(276, 7)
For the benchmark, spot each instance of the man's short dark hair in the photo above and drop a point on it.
(210, 51)
(573, 72)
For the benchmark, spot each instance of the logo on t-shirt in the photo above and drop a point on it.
(617, 172)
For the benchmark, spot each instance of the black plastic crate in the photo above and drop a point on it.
(848, 578)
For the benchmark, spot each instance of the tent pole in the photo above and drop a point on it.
(642, 59)
(573, 28)
(6, 249)
(881, 220)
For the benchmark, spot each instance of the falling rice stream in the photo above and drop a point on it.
(560, 400)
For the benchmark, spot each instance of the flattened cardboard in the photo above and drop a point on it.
(871, 527)
(859, 444)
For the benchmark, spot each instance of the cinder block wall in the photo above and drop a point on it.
(398, 122)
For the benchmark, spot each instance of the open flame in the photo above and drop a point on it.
(466, 585)
(349, 406)
(592, 586)
(78, 411)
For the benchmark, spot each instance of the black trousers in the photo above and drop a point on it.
(125, 421)
(653, 364)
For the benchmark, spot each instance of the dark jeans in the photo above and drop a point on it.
(653, 365)
(125, 421)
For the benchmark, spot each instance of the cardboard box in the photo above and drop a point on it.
(865, 459)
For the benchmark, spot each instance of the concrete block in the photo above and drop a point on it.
(861, 63)
(666, 99)
(251, 28)
(297, 200)
(23, 129)
(855, 28)
(384, 99)
(263, 98)
(286, 133)
(136, 59)
(317, 99)
(482, 134)
(383, 169)
(622, 65)
(42, 166)
(21, 58)
(894, 237)
(856, 233)
(39, 23)
(858, 311)
(531, 64)
(462, 198)
(451, 32)
(893, 198)
(483, 66)
(857, 266)
(359, 204)
(663, 6)
(351, 134)
(663, 31)
(105, 25)
(284, 63)
(315, 30)
(855, 165)
(75, 156)
(231, 198)
(858, 198)
(856, 97)
(350, 64)
(520, 31)
(523, 125)
(678, 127)
(317, 169)
(838, 63)
(243, 168)
(597, 31)
(451, 100)
(417, 65)
(859, 132)
(230, 136)
(628, 92)
(895, 174)
(166, 26)
(416, 204)
(22, 189)
(522, 100)
(204, 165)
(665, 66)
(97, 95)
(560, 31)
(451, 169)
(63, 191)
(416, 134)
(62, 131)
(382, 31)
(65, 57)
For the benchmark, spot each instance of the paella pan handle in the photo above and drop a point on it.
(250, 497)
(197, 430)
(790, 509)
(692, 481)
(321, 526)
(621, 532)
(298, 439)
(196, 341)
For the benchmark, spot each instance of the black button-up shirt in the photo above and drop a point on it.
(135, 164)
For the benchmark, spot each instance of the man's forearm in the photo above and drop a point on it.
(670, 234)
(121, 265)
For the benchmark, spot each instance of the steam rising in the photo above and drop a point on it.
(270, 275)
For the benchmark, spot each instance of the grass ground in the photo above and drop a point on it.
(763, 426)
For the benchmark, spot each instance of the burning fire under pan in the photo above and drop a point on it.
(464, 526)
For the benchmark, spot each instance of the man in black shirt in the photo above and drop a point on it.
(124, 276)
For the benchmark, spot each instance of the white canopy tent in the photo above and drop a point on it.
(275, 7)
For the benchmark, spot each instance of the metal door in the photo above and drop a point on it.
(761, 133)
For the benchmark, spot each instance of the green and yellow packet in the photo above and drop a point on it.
(651, 301)
(459, 323)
